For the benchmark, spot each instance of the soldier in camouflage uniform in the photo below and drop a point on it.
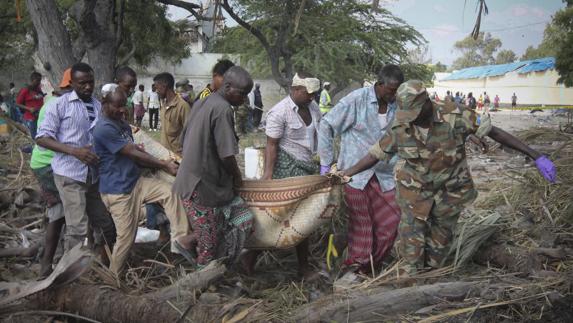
(434, 183)
(242, 113)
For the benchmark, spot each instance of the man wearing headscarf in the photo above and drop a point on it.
(292, 131)
(434, 184)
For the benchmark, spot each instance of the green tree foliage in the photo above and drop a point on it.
(476, 52)
(553, 35)
(564, 58)
(439, 67)
(339, 41)
(149, 34)
(505, 56)
(17, 40)
(557, 42)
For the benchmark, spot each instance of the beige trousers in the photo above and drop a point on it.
(126, 210)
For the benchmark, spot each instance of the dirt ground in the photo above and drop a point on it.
(276, 293)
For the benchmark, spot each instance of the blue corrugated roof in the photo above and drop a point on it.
(534, 65)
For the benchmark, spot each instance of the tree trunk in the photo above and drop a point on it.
(54, 45)
(98, 28)
(381, 302)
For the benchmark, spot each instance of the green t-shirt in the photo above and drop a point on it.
(42, 157)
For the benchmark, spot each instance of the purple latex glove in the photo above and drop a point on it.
(546, 168)
(324, 169)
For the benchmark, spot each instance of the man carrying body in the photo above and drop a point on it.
(218, 72)
(124, 191)
(153, 108)
(434, 184)
(324, 102)
(209, 175)
(174, 112)
(67, 130)
(291, 130)
(361, 119)
(30, 100)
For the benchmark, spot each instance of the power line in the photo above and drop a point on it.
(485, 30)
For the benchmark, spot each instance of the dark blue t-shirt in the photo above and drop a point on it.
(117, 172)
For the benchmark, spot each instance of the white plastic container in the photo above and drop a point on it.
(254, 162)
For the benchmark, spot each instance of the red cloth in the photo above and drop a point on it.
(32, 99)
(373, 225)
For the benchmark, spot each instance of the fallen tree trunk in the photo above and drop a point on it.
(104, 304)
(381, 302)
(191, 282)
(519, 259)
(98, 303)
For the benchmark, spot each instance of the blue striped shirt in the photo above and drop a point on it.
(67, 121)
(355, 119)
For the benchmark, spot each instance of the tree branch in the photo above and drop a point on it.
(191, 7)
(119, 26)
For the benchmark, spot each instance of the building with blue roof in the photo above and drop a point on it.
(533, 82)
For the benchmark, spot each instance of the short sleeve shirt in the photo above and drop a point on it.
(296, 138)
(209, 138)
(31, 98)
(118, 173)
(173, 117)
(41, 157)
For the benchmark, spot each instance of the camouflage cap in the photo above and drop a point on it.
(410, 97)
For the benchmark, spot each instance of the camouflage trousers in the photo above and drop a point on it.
(427, 225)
(241, 119)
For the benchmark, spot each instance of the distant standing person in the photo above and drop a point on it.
(153, 108)
(257, 106)
(496, 102)
(471, 101)
(30, 99)
(138, 108)
(126, 79)
(325, 102)
(513, 101)
(15, 113)
(174, 111)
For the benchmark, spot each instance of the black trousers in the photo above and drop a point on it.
(153, 118)
(257, 115)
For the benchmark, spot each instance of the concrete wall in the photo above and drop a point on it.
(197, 69)
(531, 88)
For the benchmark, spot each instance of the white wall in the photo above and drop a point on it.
(197, 69)
(531, 88)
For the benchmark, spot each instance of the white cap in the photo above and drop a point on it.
(108, 88)
(326, 83)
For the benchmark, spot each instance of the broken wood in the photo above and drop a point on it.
(360, 306)
(520, 259)
(191, 282)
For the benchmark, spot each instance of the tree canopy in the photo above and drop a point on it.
(338, 41)
(505, 56)
(476, 52)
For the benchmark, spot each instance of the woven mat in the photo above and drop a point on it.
(286, 211)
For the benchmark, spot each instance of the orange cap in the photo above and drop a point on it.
(66, 79)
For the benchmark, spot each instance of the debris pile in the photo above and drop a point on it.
(512, 260)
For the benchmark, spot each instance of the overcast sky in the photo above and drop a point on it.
(443, 22)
